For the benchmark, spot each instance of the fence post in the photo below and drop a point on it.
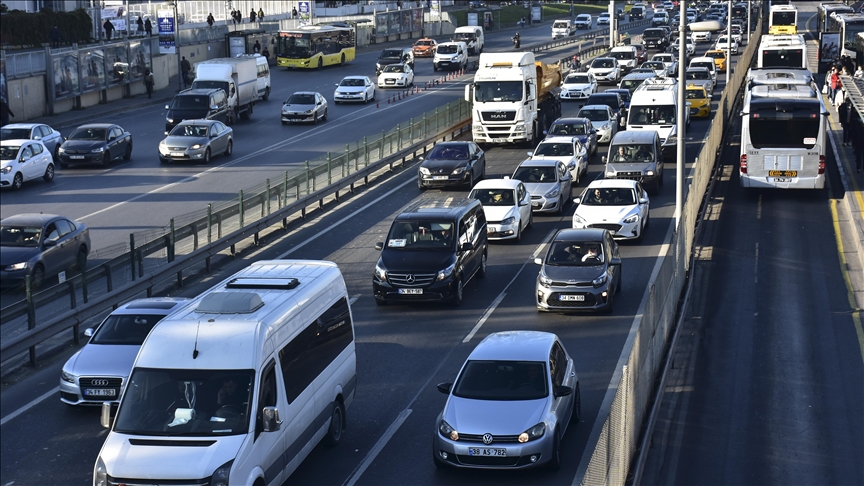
(31, 314)
(346, 164)
(241, 208)
(411, 131)
(307, 178)
(398, 137)
(365, 152)
(171, 240)
(423, 128)
(284, 201)
(132, 253)
(381, 145)
(209, 223)
(329, 169)
(268, 196)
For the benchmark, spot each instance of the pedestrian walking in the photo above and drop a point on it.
(252, 15)
(55, 37)
(260, 14)
(833, 83)
(6, 112)
(294, 13)
(109, 29)
(266, 54)
(149, 81)
(148, 27)
(256, 48)
(140, 24)
(845, 112)
(210, 19)
(185, 68)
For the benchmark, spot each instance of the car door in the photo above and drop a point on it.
(409, 75)
(643, 208)
(480, 160)
(370, 89)
(565, 181)
(559, 368)
(216, 145)
(25, 162)
(68, 243)
(115, 144)
(523, 199)
(320, 108)
(38, 162)
(52, 252)
(267, 449)
(50, 138)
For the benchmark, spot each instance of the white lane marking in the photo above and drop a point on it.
(756, 265)
(29, 405)
(354, 299)
(373, 453)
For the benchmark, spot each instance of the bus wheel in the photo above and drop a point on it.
(320, 62)
(342, 61)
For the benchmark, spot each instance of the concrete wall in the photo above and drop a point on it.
(32, 90)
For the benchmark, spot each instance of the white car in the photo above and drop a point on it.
(669, 60)
(618, 205)
(52, 139)
(723, 44)
(603, 18)
(605, 69)
(584, 21)
(24, 160)
(603, 119)
(568, 150)
(396, 76)
(698, 37)
(354, 88)
(507, 206)
(578, 86)
(548, 181)
(659, 68)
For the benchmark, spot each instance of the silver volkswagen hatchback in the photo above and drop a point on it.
(510, 405)
(97, 372)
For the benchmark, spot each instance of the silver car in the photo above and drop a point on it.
(304, 106)
(34, 131)
(510, 405)
(548, 181)
(196, 140)
(98, 372)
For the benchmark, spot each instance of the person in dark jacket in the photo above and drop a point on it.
(6, 112)
(185, 68)
(210, 19)
(140, 24)
(252, 15)
(109, 29)
(845, 111)
(55, 37)
(857, 128)
(148, 27)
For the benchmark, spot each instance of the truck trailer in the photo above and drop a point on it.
(238, 76)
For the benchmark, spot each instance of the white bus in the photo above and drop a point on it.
(848, 25)
(783, 138)
(782, 51)
(783, 19)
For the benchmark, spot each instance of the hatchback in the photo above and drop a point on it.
(510, 405)
(578, 86)
(33, 131)
(582, 128)
(566, 149)
(604, 121)
(548, 181)
(507, 206)
(24, 160)
(40, 245)
(396, 76)
(620, 206)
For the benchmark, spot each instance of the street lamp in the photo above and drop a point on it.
(173, 4)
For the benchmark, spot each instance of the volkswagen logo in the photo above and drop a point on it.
(410, 278)
(487, 439)
(99, 382)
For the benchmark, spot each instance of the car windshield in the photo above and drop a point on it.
(614, 196)
(352, 82)
(20, 236)
(464, 36)
(391, 54)
(567, 129)
(536, 174)
(423, 43)
(578, 79)
(394, 68)
(555, 149)
(698, 75)
(624, 94)
(594, 115)
(498, 91)
(494, 197)
(623, 55)
(301, 99)
(14, 133)
(603, 63)
(447, 49)
(502, 380)
(652, 114)
(695, 94)
(88, 134)
(655, 65)
(190, 131)
(574, 254)
(448, 152)
(125, 329)
(9, 152)
(421, 235)
(703, 64)
(167, 402)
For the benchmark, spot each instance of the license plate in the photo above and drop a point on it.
(100, 392)
(176, 154)
(577, 298)
(783, 173)
(483, 451)
(76, 156)
(782, 179)
(440, 178)
(411, 291)
(499, 140)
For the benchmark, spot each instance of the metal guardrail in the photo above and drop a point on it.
(220, 227)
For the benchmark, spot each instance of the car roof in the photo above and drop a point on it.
(304, 93)
(579, 234)
(611, 183)
(514, 346)
(23, 125)
(152, 305)
(97, 125)
(697, 68)
(431, 208)
(16, 141)
(560, 139)
(198, 121)
(29, 218)
(355, 77)
(596, 107)
(570, 120)
(199, 91)
(539, 162)
(497, 184)
(634, 136)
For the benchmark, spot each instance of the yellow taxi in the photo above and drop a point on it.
(719, 59)
(700, 103)
(425, 47)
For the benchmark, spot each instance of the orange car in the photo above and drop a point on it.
(425, 47)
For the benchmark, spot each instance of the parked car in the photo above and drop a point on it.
(24, 160)
(396, 76)
(196, 140)
(507, 206)
(41, 246)
(52, 139)
(618, 205)
(603, 119)
(566, 149)
(354, 88)
(580, 271)
(304, 106)
(578, 86)
(458, 163)
(581, 128)
(96, 143)
(510, 406)
(549, 183)
(100, 369)
(425, 47)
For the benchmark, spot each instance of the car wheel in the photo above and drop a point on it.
(128, 154)
(37, 277)
(618, 287)
(577, 405)
(337, 424)
(207, 156)
(560, 204)
(518, 237)
(324, 118)
(57, 152)
(230, 149)
(481, 272)
(638, 239)
(17, 181)
(530, 220)
(106, 159)
(555, 460)
(266, 93)
(49, 173)
(609, 304)
(81, 259)
(434, 67)
(315, 119)
(459, 294)
(420, 184)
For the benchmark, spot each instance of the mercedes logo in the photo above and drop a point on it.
(487, 439)
(99, 382)
(410, 278)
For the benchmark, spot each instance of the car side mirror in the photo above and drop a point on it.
(538, 261)
(445, 388)
(270, 419)
(571, 165)
(167, 108)
(106, 418)
(643, 200)
(50, 243)
(21, 159)
(214, 135)
(562, 391)
(379, 246)
(530, 154)
(603, 159)
(466, 246)
(577, 200)
(616, 260)
(88, 332)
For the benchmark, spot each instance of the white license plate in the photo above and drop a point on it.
(76, 156)
(100, 392)
(411, 291)
(483, 451)
(176, 154)
(499, 140)
(440, 178)
(577, 298)
(782, 179)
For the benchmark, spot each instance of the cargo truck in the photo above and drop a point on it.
(238, 77)
(514, 98)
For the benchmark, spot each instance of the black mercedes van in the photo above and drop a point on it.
(192, 104)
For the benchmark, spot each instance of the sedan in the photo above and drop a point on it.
(507, 207)
(510, 406)
(425, 47)
(698, 37)
(96, 143)
(396, 76)
(581, 128)
(719, 57)
(566, 149)
(581, 271)
(304, 106)
(618, 205)
(40, 246)
(196, 140)
(354, 88)
(603, 119)
(699, 101)
(452, 164)
(33, 131)
(658, 67)
(97, 372)
(549, 183)
(24, 160)
(578, 86)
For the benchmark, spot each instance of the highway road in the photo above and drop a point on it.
(403, 351)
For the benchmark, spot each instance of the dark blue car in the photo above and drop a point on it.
(581, 128)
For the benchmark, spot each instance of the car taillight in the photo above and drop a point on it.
(743, 167)
(821, 164)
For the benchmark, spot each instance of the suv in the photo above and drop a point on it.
(637, 13)
(394, 55)
(655, 38)
(433, 249)
(190, 104)
(636, 155)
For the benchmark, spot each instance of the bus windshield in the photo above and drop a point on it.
(782, 58)
(772, 129)
(783, 18)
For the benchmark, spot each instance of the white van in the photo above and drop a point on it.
(566, 28)
(263, 83)
(240, 384)
(472, 36)
(450, 55)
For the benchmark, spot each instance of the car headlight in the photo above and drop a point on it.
(600, 280)
(631, 219)
(220, 475)
(6, 170)
(459, 170)
(284, 109)
(98, 149)
(67, 377)
(61, 150)
(100, 473)
(380, 271)
(553, 193)
(196, 146)
(169, 120)
(579, 219)
(605, 126)
(309, 112)
(446, 272)
(447, 431)
(424, 171)
(17, 266)
(649, 173)
(610, 174)
(510, 220)
(533, 433)
(545, 281)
